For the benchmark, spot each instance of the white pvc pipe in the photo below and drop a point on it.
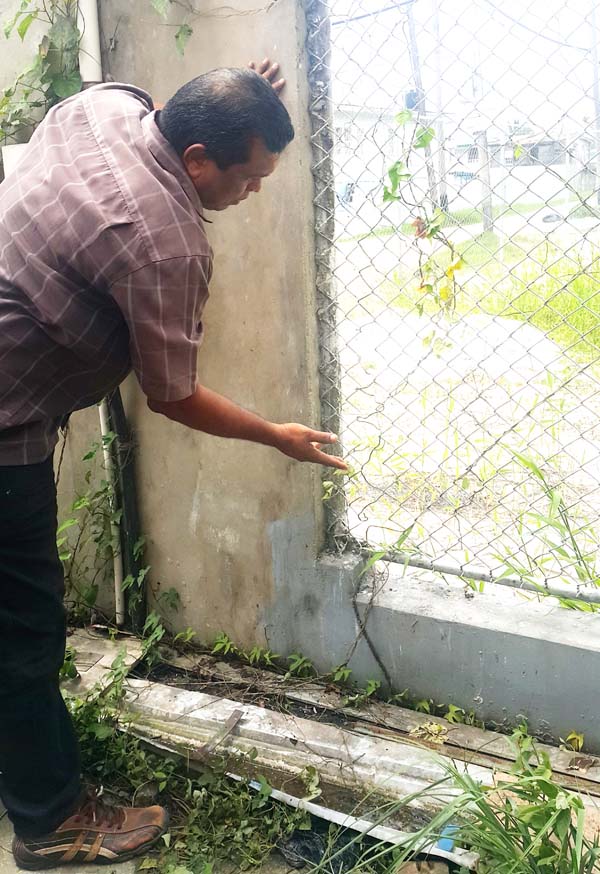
(114, 528)
(90, 67)
(387, 834)
(90, 60)
(11, 155)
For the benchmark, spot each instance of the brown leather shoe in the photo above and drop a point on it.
(96, 833)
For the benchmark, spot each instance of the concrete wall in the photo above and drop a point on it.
(207, 504)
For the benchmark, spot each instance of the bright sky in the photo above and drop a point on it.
(516, 62)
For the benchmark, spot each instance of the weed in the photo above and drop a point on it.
(299, 666)
(260, 656)
(225, 645)
(573, 742)
(213, 817)
(523, 824)
(152, 634)
(68, 669)
(341, 674)
(135, 586)
(361, 698)
(552, 541)
(185, 636)
(454, 714)
(85, 539)
(526, 823)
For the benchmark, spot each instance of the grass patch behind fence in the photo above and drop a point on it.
(525, 278)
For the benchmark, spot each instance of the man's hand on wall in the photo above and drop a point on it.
(302, 443)
(269, 72)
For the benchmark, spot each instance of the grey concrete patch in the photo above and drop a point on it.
(316, 593)
(503, 654)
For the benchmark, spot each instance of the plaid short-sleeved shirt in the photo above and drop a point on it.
(104, 266)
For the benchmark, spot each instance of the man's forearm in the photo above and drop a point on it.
(210, 412)
(214, 414)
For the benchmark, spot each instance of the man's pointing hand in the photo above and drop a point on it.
(212, 413)
(302, 443)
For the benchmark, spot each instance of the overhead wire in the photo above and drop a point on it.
(535, 32)
(334, 23)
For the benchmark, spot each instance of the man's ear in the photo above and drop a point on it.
(195, 160)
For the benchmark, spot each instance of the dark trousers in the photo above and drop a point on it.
(39, 754)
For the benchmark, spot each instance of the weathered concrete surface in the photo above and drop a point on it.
(504, 654)
(311, 611)
(207, 503)
(281, 746)
(94, 656)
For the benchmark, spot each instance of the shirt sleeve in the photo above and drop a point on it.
(162, 303)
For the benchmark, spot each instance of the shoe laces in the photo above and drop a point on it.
(95, 811)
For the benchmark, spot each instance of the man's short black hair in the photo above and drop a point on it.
(224, 110)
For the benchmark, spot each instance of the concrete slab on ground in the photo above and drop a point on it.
(94, 655)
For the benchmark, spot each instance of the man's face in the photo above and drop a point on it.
(219, 189)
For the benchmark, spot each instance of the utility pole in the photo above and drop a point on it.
(596, 93)
(415, 64)
(481, 141)
(484, 176)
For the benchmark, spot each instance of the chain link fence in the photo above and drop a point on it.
(456, 162)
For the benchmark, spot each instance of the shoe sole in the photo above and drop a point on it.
(42, 865)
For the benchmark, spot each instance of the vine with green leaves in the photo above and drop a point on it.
(54, 72)
(183, 29)
(87, 546)
(436, 275)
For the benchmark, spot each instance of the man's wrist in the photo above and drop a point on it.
(274, 435)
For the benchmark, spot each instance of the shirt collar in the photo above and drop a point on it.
(168, 158)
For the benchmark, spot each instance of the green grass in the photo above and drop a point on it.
(585, 211)
(525, 279)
